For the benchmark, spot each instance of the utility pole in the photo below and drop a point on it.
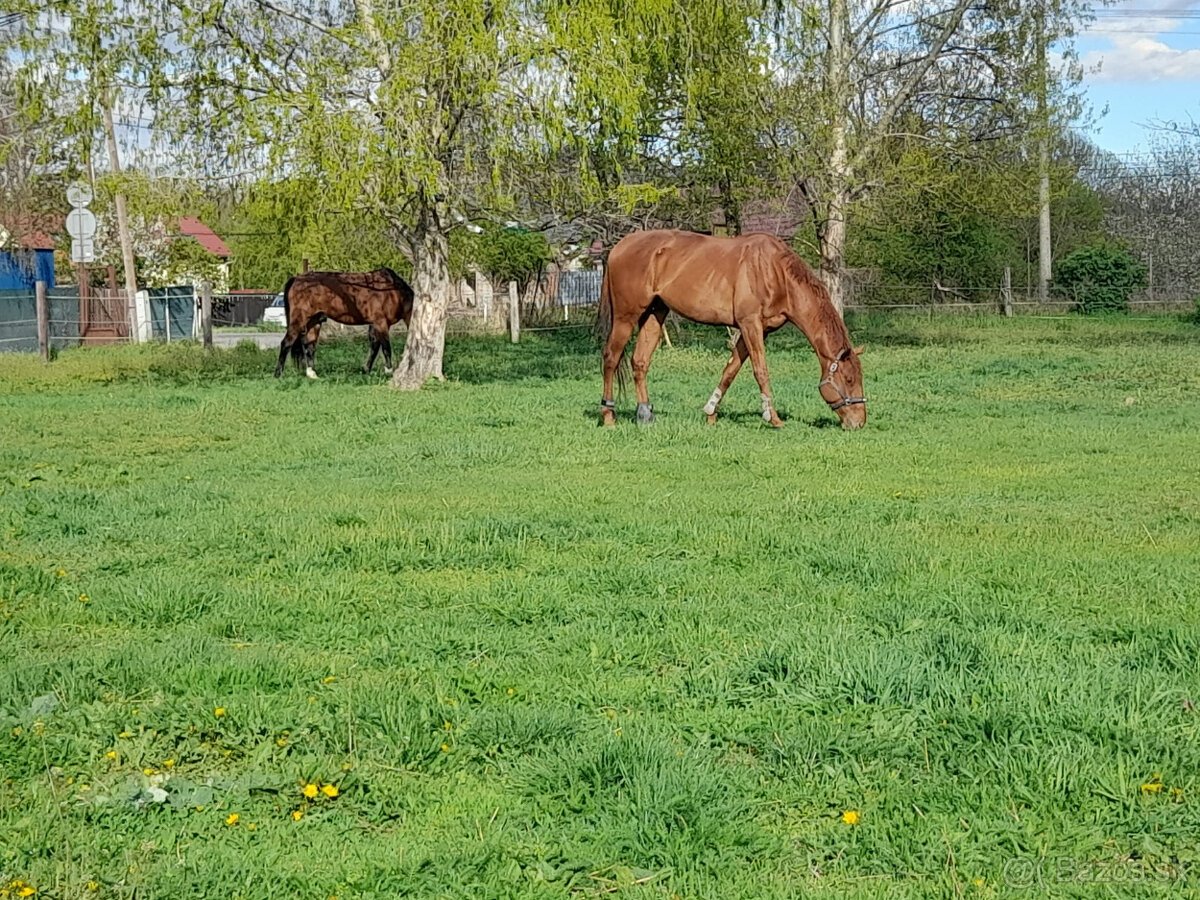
(122, 220)
(1043, 125)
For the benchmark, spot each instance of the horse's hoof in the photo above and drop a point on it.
(608, 419)
(645, 414)
(711, 418)
(311, 374)
(366, 371)
(387, 371)
(776, 423)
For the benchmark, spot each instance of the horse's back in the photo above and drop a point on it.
(697, 276)
(353, 298)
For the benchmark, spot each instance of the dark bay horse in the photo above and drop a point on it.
(754, 283)
(380, 299)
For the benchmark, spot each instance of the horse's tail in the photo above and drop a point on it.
(298, 344)
(604, 327)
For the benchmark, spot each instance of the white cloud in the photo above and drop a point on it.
(1143, 60)
(1138, 52)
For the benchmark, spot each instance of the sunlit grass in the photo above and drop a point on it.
(283, 638)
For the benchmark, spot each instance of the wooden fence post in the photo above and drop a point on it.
(1006, 301)
(43, 321)
(304, 266)
(514, 312)
(206, 313)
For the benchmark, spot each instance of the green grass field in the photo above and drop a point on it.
(537, 658)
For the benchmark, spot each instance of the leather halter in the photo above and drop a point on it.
(845, 400)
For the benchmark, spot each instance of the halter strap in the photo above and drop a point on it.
(845, 400)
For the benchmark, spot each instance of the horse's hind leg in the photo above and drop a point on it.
(611, 358)
(731, 369)
(649, 335)
(310, 349)
(285, 346)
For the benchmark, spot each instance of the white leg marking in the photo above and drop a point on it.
(711, 406)
(767, 411)
(387, 371)
(310, 373)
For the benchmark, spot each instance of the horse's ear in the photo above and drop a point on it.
(859, 349)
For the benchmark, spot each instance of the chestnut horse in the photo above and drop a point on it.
(380, 299)
(755, 283)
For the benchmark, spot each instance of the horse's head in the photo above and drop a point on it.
(842, 387)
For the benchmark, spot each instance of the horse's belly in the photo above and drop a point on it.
(708, 310)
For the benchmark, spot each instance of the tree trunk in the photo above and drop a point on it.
(426, 341)
(832, 233)
(833, 250)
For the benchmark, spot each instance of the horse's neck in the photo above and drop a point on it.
(819, 321)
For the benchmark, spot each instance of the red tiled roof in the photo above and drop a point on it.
(193, 227)
(32, 231)
(37, 240)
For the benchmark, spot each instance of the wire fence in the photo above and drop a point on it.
(567, 303)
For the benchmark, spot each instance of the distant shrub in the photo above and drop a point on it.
(1100, 278)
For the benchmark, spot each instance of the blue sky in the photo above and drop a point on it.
(1143, 58)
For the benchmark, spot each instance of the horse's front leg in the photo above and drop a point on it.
(373, 340)
(752, 334)
(731, 369)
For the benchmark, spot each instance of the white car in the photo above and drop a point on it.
(275, 314)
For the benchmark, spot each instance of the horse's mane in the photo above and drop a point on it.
(391, 273)
(802, 273)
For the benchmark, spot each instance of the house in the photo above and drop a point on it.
(26, 260)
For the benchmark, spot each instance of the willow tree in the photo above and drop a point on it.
(425, 113)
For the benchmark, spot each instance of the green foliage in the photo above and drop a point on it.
(276, 225)
(1100, 278)
(511, 254)
(650, 675)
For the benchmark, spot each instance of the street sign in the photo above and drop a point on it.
(79, 194)
(81, 223)
(83, 251)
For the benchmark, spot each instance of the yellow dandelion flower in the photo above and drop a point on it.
(93, 886)
(124, 734)
(219, 711)
(16, 732)
(447, 725)
(111, 754)
(84, 598)
(148, 771)
(61, 573)
(978, 882)
(445, 748)
(232, 819)
(168, 763)
(1152, 788)
(511, 691)
(309, 790)
(328, 679)
(252, 827)
(850, 817)
(280, 742)
(329, 790)
(135, 711)
(297, 815)
(26, 890)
